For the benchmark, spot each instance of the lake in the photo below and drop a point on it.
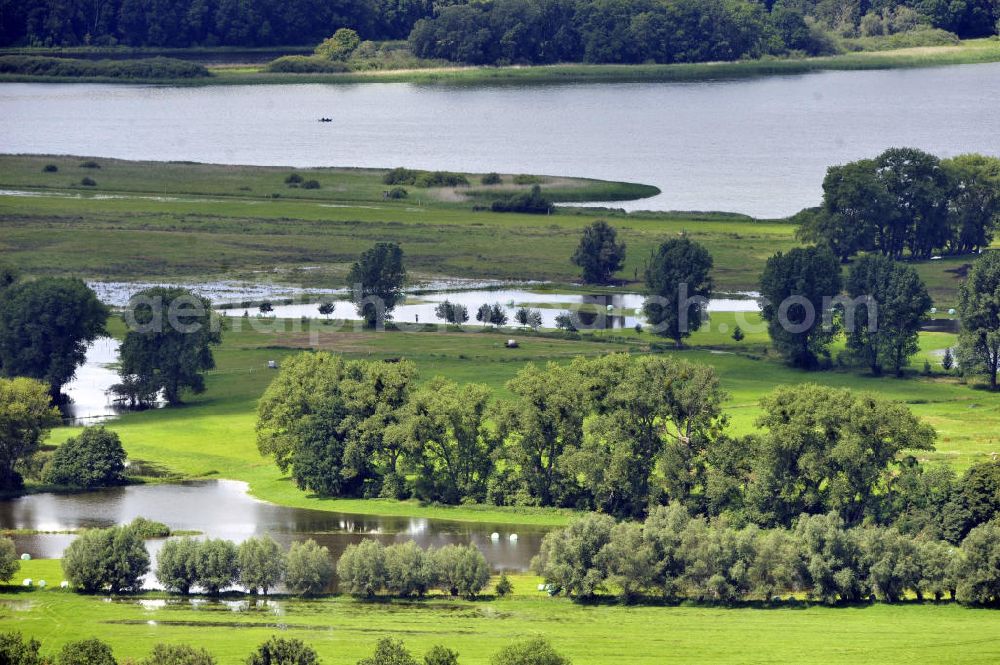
(223, 509)
(759, 146)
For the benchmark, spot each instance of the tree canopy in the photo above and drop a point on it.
(599, 254)
(979, 311)
(679, 285)
(26, 417)
(376, 280)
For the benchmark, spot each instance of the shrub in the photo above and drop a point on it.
(178, 654)
(491, 179)
(978, 572)
(89, 164)
(9, 563)
(311, 184)
(524, 179)
(504, 586)
(147, 528)
(177, 565)
(389, 652)
(309, 570)
(439, 655)
(340, 46)
(142, 68)
(536, 651)
(302, 64)
(94, 458)
(88, 182)
(15, 651)
(86, 652)
(114, 559)
(216, 565)
(362, 568)
(293, 179)
(417, 178)
(279, 651)
(261, 564)
(50, 168)
(408, 570)
(397, 193)
(532, 203)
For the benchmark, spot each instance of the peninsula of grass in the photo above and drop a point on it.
(970, 51)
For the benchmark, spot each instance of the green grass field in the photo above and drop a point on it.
(344, 630)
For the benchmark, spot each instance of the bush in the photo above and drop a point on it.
(261, 564)
(527, 180)
(147, 528)
(504, 586)
(177, 565)
(460, 570)
(311, 184)
(309, 570)
(491, 179)
(340, 46)
(279, 651)
(532, 203)
(439, 655)
(978, 569)
(89, 164)
(94, 458)
(408, 570)
(397, 193)
(536, 651)
(361, 569)
(293, 179)
(216, 565)
(389, 652)
(50, 168)
(86, 652)
(113, 559)
(143, 68)
(178, 654)
(302, 64)
(88, 182)
(9, 563)
(15, 651)
(417, 178)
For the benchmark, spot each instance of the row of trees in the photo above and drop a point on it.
(15, 650)
(404, 569)
(907, 202)
(617, 434)
(673, 555)
(515, 31)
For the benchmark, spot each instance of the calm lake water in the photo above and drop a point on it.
(759, 146)
(223, 509)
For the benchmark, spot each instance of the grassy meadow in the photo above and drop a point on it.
(343, 630)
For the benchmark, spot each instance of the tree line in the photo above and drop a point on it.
(617, 434)
(672, 556)
(15, 650)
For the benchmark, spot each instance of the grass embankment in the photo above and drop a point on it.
(967, 52)
(182, 221)
(344, 630)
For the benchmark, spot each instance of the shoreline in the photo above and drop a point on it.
(980, 51)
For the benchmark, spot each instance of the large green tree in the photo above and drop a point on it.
(883, 318)
(828, 449)
(679, 285)
(797, 289)
(93, 458)
(376, 280)
(979, 311)
(26, 416)
(918, 188)
(45, 327)
(169, 341)
(975, 201)
(599, 254)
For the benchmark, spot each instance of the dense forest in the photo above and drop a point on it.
(496, 31)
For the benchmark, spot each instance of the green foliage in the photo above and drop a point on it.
(979, 311)
(340, 46)
(883, 319)
(281, 651)
(114, 559)
(293, 179)
(494, 314)
(90, 164)
(27, 415)
(45, 327)
(408, 570)
(308, 568)
(361, 570)
(86, 652)
(376, 280)
(311, 184)
(87, 181)
(177, 564)
(797, 288)
(439, 655)
(9, 561)
(491, 179)
(535, 651)
(389, 652)
(738, 334)
(452, 312)
(397, 193)
(261, 564)
(418, 178)
(978, 574)
(679, 284)
(599, 253)
(460, 570)
(94, 458)
(14, 650)
(168, 344)
(568, 558)
(178, 654)
(532, 203)
(525, 179)
(50, 168)
(138, 69)
(147, 528)
(302, 64)
(504, 587)
(216, 565)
